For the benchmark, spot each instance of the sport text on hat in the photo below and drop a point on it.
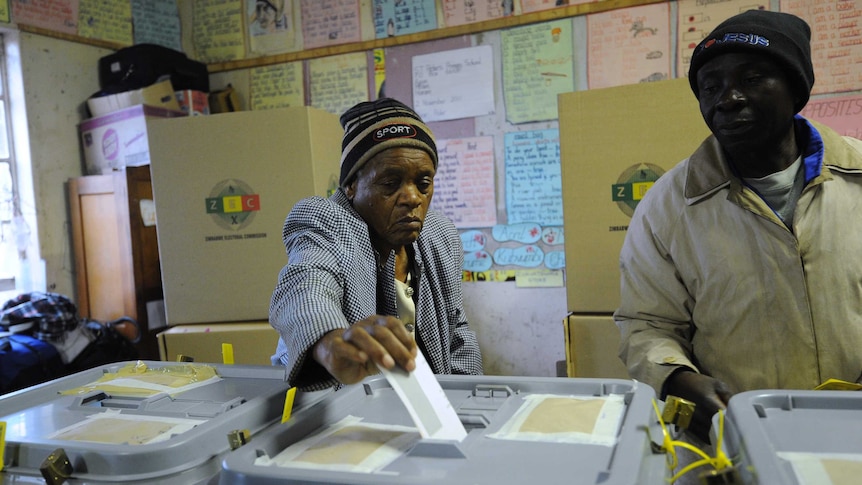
(373, 126)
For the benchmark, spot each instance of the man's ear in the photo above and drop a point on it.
(350, 189)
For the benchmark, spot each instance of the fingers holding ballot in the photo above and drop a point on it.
(353, 354)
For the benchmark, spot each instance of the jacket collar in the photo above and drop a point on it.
(709, 170)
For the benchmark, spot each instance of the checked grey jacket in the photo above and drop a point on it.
(331, 281)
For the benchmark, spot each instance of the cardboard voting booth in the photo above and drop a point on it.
(614, 144)
(223, 185)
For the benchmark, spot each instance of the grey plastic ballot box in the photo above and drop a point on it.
(40, 420)
(485, 405)
(794, 437)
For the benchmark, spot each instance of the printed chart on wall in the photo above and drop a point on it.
(836, 42)
(629, 46)
(538, 65)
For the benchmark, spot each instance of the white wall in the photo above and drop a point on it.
(58, 78)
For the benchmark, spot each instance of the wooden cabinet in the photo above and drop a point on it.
(117, 268)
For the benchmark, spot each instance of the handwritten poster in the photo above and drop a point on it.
(157, 22)
(534, 191)
(277, 86)
(629, 46)
(55, 15)
(329, 22)
(697, 19)
(538, 64)
(459, 12)
(217, 33)
(270, 26)
(841, 113)
(464, 185)
(454, 84)
(107, 20)
(528, 6)
(398, 17)
(836, 42)
(338, 82)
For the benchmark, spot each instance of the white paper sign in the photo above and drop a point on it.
(454, 84)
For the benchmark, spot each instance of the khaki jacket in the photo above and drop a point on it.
(712, 279)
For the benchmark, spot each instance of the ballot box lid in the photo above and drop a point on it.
(793, 437)
(141, 421)
(519, 430)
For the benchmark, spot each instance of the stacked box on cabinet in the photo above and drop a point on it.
(119, 139)
(794, 437)
(94, 427)
(520, 430)
(222, 187)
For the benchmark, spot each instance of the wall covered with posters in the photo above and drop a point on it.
(485, 75)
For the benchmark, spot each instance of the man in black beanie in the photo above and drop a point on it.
(742, 266)
(373, 276)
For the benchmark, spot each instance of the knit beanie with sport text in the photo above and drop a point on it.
(781, 36)
(373, 126)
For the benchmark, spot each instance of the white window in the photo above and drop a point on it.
(19, 248)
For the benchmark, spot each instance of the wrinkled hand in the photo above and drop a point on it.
(708, 394)
(350, 354)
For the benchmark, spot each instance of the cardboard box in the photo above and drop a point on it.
(614, 143)
(118, 140)
(158, 95)
(253, 342)
(223, 185)
(592, 347)
(193, 103)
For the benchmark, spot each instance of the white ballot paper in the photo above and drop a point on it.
(426, 401)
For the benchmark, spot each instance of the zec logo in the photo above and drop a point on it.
(633, 184)
(232, 204)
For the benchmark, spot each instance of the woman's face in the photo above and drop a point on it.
(392, 193)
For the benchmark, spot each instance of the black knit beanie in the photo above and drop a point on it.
(373, 126)
(784, 37)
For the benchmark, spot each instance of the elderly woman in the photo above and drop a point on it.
(372, 275)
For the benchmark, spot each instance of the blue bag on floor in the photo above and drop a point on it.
(26, 361)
